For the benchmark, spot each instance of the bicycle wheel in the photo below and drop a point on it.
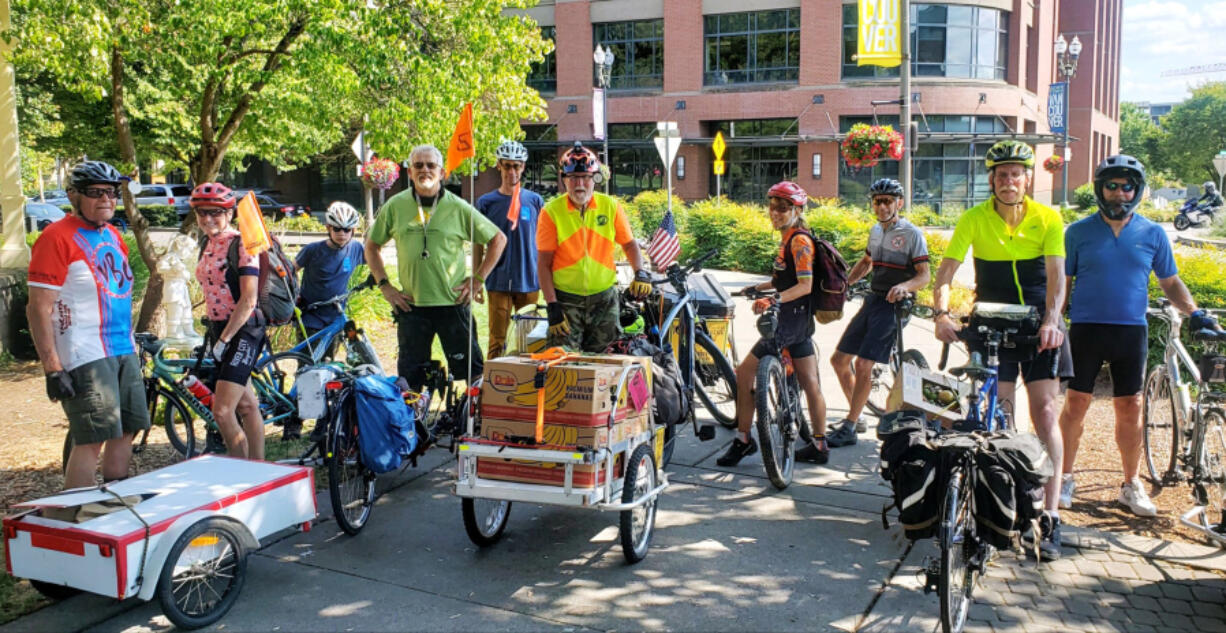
(273, 379)
(637, 524)
(203, 574)
(1213, 454)
(883, 378)
(181, 425)
(485, 519)
(715, 381)
(350, 484)
(1162, 433)
(439, 409)
(958, 546)
(774, 407)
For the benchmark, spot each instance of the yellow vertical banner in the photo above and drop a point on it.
(879, 40)
(251, 225)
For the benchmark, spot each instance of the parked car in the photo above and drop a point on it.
(272, 203)
(57, 197)
(39, 215)
(169, 194)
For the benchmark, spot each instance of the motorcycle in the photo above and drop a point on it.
(1193, 214)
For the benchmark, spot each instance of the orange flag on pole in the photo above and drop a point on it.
(462, 144)
(251, 225)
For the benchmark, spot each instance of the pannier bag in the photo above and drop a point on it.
(1212, 368)
(386, 430)
(1024, 458)
(909, 462)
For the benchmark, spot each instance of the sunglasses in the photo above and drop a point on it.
(882, 201)
(98, 192)
(212, 212)
(430, 166)
(1126, 187)
(339, 230)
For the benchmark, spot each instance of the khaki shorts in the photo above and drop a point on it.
(110, 400)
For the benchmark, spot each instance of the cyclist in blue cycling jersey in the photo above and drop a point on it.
(1019, 258)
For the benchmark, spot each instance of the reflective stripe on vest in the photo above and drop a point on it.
(583, 262)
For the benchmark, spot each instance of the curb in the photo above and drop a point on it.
(1188, 554)
(1200, 242)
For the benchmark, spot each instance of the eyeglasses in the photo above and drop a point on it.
(430, 166)
(1126, 187)
(882, 201)
(98, 192)
(340, 230)
(212, 211)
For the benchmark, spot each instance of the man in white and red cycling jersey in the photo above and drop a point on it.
(80, 313)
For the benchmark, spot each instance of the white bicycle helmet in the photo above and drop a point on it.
(512, 150)
(342, 215)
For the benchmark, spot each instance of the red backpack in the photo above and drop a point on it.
(829, 280)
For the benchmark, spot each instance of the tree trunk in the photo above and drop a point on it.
(151, 303)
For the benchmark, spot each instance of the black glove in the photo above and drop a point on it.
(1201, 320)
(558, 325)
(59, 386)
(745, 290)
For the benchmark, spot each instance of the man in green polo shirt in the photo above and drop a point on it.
(430, 226)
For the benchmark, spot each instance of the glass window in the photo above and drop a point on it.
(544, 74)
(756, 47)
(752, 168)
(638, 52)
(946, 41)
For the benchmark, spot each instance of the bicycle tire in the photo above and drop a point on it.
(1162, 427)
(636, 525)
(879, 395)
(278, 373)
(351, 486)
(177, 420)
(440, 407)
(715, 382)
(485, 519)
(1213, 462)
(179, 590)
(957, 579)
(772, 400)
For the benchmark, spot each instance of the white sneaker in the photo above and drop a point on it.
(1067, 486)
(1132, 494)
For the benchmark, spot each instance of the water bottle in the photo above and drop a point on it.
(198, 389)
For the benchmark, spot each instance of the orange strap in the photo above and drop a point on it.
(548, 358)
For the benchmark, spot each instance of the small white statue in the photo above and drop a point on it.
(176, 266)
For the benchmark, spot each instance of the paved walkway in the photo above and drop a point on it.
(730, 553)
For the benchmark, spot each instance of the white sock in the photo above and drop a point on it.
(744, 437)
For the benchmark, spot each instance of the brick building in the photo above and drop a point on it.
(779, 82)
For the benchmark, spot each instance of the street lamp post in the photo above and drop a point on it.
(603, 57)
(1067, 55)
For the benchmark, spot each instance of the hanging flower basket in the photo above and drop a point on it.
(1053, 164)
(865, 145)
(380, 173)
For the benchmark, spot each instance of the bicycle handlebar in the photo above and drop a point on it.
(340, 299)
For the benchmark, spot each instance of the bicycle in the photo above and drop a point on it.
(882, 384)
(777, 393)
(444, 409)
(1185, 435)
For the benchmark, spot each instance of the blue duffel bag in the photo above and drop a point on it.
(386, 430)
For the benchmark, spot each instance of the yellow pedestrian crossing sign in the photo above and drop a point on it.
(718, 147)
(719, 168)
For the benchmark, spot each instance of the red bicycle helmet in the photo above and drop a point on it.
(789, 190)
(212, 194)
(580, 160)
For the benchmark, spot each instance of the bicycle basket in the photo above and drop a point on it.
(1212, 368)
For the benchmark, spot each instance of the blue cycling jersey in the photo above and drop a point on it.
(1111, 274)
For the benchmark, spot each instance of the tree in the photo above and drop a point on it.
(1195, 132)
(1140, 138)
(217, 79)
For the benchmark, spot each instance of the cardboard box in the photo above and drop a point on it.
(929, 391)
(530, 472)
(621, 360)
(577, 393)
(564, 434)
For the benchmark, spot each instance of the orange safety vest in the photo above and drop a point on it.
(583, 261)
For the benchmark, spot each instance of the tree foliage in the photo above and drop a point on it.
(1194, 132)
(1140, 138)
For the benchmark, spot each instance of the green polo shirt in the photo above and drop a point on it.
(429, 280)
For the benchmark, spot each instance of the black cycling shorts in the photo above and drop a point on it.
(1123, 347)
(803, 349)
(241, 354)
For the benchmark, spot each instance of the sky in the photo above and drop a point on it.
(1162, 35)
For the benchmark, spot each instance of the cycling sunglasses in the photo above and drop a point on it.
(430, 166)
(212, 211)
(98, 192)
(339, 230)
(1126, 187)
(883, 200)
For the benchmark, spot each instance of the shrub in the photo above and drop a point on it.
(1147, 209)
(647, 208)
(846, 228)
(161, 215)
(304, 223)
(741, 232)
(1083, 197)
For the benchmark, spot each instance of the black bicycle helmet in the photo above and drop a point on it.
(886, 187)
(1119, 166)
(93, 172)
(1009, 151)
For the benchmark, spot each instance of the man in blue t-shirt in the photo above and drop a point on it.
(326, 266)
(1109, 257)
(513, 283)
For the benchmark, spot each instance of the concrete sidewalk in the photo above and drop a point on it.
(730, 553)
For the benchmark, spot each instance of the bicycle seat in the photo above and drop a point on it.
(975, 369)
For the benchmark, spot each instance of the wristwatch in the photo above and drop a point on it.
(939, 313)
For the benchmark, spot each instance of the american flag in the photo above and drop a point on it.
(664, 247)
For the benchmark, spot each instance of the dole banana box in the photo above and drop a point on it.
(564, 434)
(550, 473)
(621, 361)
(577, 393)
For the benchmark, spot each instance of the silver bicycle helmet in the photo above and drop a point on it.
(342, 215)
(512, 150)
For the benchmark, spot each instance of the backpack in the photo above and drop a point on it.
(278, 286)
(387, 432)
(829, 291)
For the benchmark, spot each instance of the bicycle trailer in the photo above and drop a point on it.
(153, 533)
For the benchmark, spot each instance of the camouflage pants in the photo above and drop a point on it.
(593, 321)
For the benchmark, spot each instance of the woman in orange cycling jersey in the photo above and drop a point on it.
(793, 278)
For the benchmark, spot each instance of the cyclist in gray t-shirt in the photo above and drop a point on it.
(897, 255)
